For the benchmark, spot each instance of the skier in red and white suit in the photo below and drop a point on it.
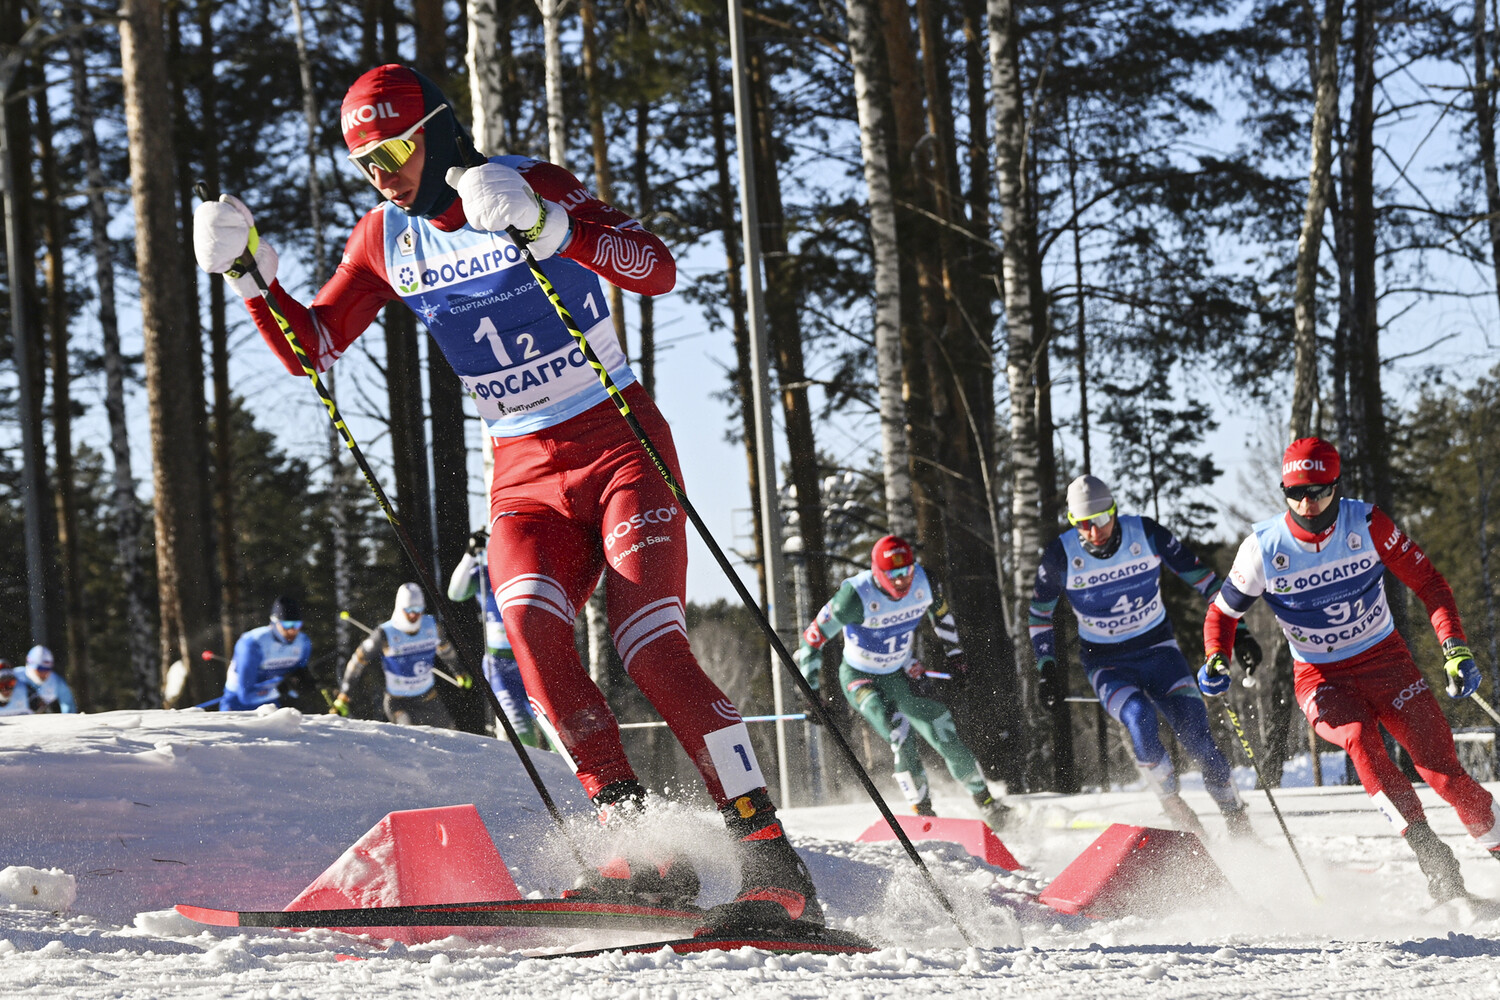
(1321, 567)
(574, 493)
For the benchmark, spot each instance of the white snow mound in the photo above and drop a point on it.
(37, 888)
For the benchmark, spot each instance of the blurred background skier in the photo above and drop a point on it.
(406, 647)
(48, 683)
(17, 696)
(269, 662)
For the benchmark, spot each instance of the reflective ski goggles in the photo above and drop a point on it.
(390, 155)
(1098, 520)
(1309, 491)
(295, 625)
(899, 572)
(414, 611)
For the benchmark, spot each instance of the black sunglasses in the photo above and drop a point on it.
(1311, 491)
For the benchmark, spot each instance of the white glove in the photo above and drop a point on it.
(222, 230)
(497, 197)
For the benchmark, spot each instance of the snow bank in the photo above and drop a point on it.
(52, 889)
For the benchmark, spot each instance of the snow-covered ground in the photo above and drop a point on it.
(107, 820)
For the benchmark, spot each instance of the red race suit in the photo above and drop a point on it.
(574, 493)
(1353, 672)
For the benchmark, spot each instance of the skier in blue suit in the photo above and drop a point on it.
(268, 661)
(47, 682)
(1110, 568)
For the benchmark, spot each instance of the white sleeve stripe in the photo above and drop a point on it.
(1223, 606)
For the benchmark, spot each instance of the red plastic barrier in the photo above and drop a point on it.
(1136, 869)
(976, 838)
(441, 855)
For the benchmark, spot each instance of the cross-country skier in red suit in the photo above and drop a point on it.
(1321, 567)
(574, 493)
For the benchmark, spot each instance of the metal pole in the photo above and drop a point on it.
(765, 444)
(33, 473)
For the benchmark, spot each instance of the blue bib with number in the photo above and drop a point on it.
(1331, 604)
(501, 334)
(882, 642)
(408, 658)
(1117, 598)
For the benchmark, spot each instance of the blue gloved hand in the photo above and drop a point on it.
(1213, 676)
(1458, 664)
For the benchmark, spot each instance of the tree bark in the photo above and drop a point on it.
(734, 260)
(64, 496)
(30, 347)
(645, 208)
(403, 367)
(603, 179)
(1484, 119)
(127, 512)
(1310, 241)
(486, 92)
(871, 84)
(1023, 350)
(224, 478)
(184, 145)
(785, 325)
(557, 122)
(185, 578)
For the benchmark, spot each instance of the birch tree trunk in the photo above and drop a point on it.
(603, 178)
(486, 94)
(557, 122)
(1010, 153)
(871, 84)
(183, 541)
(127, 512)
(1305, 295)
(1027, 528)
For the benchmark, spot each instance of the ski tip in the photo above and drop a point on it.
(209, 915)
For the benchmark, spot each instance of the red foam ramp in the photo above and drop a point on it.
(1136, 869)
(419, 856)
(976, 838)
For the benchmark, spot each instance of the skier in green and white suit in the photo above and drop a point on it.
(879, 612)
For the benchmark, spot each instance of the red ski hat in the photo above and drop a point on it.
(1309, 461)
(893, 562)
(381, 104)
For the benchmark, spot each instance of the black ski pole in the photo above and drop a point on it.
(1234, 721)
(247, 263)
(765, 626)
